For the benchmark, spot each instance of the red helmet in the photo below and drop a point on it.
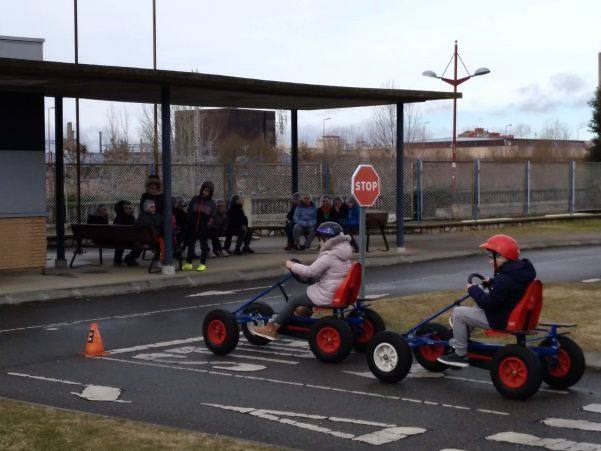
(503, 245)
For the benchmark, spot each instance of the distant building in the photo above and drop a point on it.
(197, 132)
(329, 142)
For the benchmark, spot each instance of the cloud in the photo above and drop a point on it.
(567, 82)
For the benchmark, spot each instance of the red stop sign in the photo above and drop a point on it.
(365, 185)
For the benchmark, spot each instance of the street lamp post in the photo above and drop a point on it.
(424, 132)
(323, 132)
(456, 82)
(507, 130)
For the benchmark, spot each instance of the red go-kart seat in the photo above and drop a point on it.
(524, 316)
(348, 290)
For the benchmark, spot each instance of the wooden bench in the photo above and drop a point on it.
(111, 236)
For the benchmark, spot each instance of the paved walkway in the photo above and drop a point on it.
(89, 279)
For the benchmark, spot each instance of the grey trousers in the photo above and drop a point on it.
(308, 232)
(283, 317)
(463, 319)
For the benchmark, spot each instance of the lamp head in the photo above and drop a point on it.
(481, 71)
(430, 73)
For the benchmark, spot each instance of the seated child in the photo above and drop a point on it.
(327, 272)
(506, 288)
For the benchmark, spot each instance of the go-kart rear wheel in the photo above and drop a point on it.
(331, 339)
(220, 331)
(427, 355)
(372, 325)
(389, 357)
(516, 372)
(567, 368)
(256, 309)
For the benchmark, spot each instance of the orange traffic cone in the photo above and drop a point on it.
(94, 346)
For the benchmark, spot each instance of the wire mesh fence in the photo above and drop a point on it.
(433, 190)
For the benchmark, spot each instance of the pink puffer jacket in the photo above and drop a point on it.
(332, 265)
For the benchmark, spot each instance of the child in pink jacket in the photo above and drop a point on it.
(327, 272)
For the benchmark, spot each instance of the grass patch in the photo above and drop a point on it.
(578, 303)
(25, 426)
(577, 225)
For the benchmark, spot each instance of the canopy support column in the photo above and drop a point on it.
(59, 187)
(294, 149)
(167, 267)
(400, 180)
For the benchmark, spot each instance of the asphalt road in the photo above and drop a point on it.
(281, 394)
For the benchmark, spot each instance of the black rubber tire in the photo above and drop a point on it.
(577, 364)
(344, 337)
(531, 364)
(377, 326)
(259, 309)
(404, 357)
(441, 332)
(231, 332)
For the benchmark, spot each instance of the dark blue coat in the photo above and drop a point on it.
(505, 291)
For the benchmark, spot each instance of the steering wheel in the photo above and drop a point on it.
(475, 275)
(296, 276)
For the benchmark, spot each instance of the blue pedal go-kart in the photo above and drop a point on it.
(350, 322)
(541, 352)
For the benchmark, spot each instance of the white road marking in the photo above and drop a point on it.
(229, 365)
(583, 425)
(390, 433)
(47, 379)
(591, 280)
(375, 297)
(219, 293)
(416, 373)
(480, 381)
(495, 412)
(517, 438)
(250, 357)
(100, 393)
(592, 408)
(90, 392)
(282, 382)
(155, 345)
(256, 349)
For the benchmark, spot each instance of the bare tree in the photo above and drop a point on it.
(522, 131)
(117, 133)
(555, 130)
(383, 124)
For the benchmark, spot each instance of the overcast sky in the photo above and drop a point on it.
(542, 54)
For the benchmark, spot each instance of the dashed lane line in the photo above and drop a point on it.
(591, 280)
(221, 293)
(582, 425)
(250, 357)
(517, 438)
(315, 387)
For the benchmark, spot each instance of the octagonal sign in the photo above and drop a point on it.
(365, 185)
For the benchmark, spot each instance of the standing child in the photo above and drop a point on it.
(290, 222)
(237, 225)
(351, 220)
(200, 214)
(305, 217)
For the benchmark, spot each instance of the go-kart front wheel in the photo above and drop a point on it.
(389, 357)
(516, 372)
(427, 355)
(331, 339)
(220, 331)
(372, 325)
(567, 368)
(256, 309)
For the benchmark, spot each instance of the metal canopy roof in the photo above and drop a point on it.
(126, 84)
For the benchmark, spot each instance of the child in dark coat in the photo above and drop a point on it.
(124, 215)
(200, 216)
(219, 228)
(237, 225)
(154, 192)
(290, 222)
(100, 215)
(148, 218)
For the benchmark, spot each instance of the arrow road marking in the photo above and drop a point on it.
(390, 433)
(517, 438)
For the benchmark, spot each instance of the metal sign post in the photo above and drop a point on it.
(362, 246)
(365, 186)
